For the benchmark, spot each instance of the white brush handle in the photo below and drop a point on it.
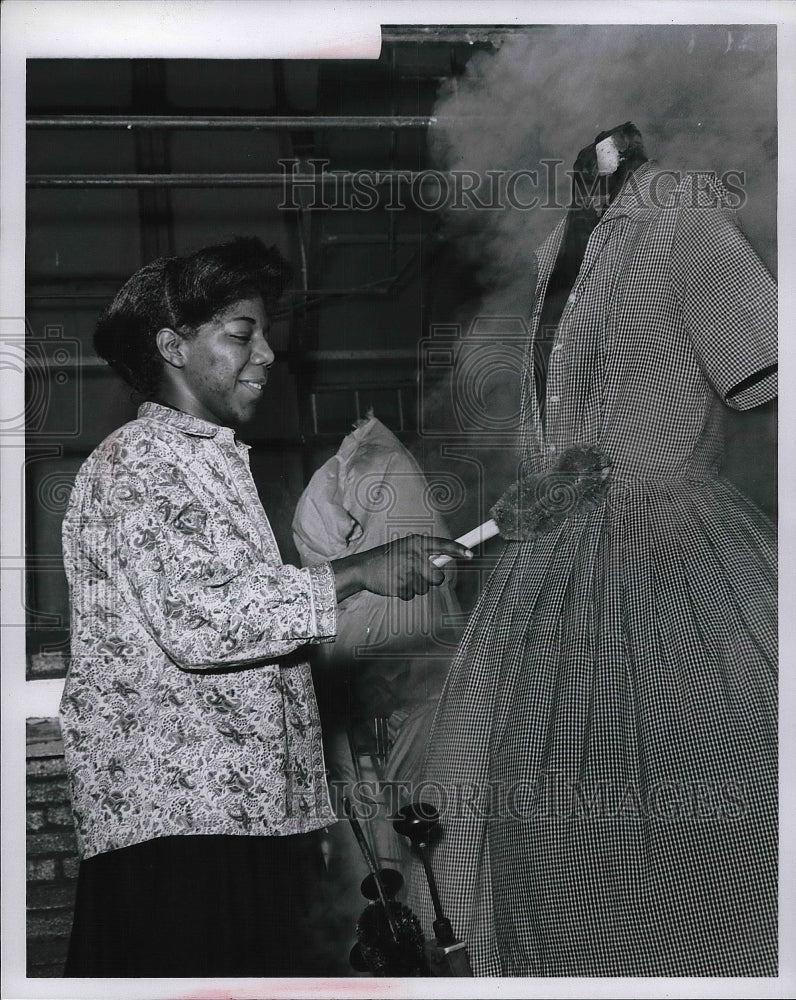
(480, 534)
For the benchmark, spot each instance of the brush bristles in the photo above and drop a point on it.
(540, 501)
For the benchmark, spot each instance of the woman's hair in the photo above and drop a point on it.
(182, 293)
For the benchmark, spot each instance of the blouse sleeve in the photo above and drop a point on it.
(204, 593)
(728, 301)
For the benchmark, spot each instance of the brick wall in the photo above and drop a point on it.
(51, 851)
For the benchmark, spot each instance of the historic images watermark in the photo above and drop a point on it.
(49, 361)
(41, 384)
(467, 366)
(309, 185)
(554, 796)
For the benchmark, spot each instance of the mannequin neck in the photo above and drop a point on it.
(618, 153)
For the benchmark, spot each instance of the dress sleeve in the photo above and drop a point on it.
(729, 304)
(204, 593)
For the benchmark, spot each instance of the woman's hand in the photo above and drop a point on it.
(402, 568)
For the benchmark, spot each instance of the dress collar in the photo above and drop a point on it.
(647, 189)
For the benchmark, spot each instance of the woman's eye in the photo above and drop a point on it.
(245, 337)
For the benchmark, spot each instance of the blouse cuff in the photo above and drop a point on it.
(324, 601)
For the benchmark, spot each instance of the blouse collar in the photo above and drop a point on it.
(187, 422)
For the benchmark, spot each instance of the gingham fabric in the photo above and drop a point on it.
(189, 706)
(604, 750)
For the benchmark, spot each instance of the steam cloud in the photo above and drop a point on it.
(704, 98)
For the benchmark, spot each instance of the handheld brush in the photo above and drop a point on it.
(540, 501)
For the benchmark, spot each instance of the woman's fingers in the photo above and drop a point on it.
(413, 555)
(402, 568)
(436, 553)
(444, 546)
(422, 584)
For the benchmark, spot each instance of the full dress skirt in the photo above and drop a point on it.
(604, 754)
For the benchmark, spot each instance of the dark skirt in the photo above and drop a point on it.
(197, 906)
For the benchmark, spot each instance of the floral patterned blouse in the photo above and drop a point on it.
(189, 706)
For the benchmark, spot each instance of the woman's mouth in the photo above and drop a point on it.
(253, 386)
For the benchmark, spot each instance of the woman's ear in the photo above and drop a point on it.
(170, 345)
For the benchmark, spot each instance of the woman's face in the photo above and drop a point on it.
(226, 365)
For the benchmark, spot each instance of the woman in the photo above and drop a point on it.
(606, 743)
(190, 726)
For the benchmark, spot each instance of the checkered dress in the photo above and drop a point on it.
(604, 751)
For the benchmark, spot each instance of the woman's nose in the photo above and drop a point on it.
(261, 352)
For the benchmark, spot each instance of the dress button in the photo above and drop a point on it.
(552, 449)
(572, 297)
(555, 399)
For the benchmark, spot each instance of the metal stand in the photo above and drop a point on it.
(447, 956)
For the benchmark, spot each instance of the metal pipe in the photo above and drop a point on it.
(386, 355)
(371, 239)
(232, 121)
(458, 34)
(224, 180)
